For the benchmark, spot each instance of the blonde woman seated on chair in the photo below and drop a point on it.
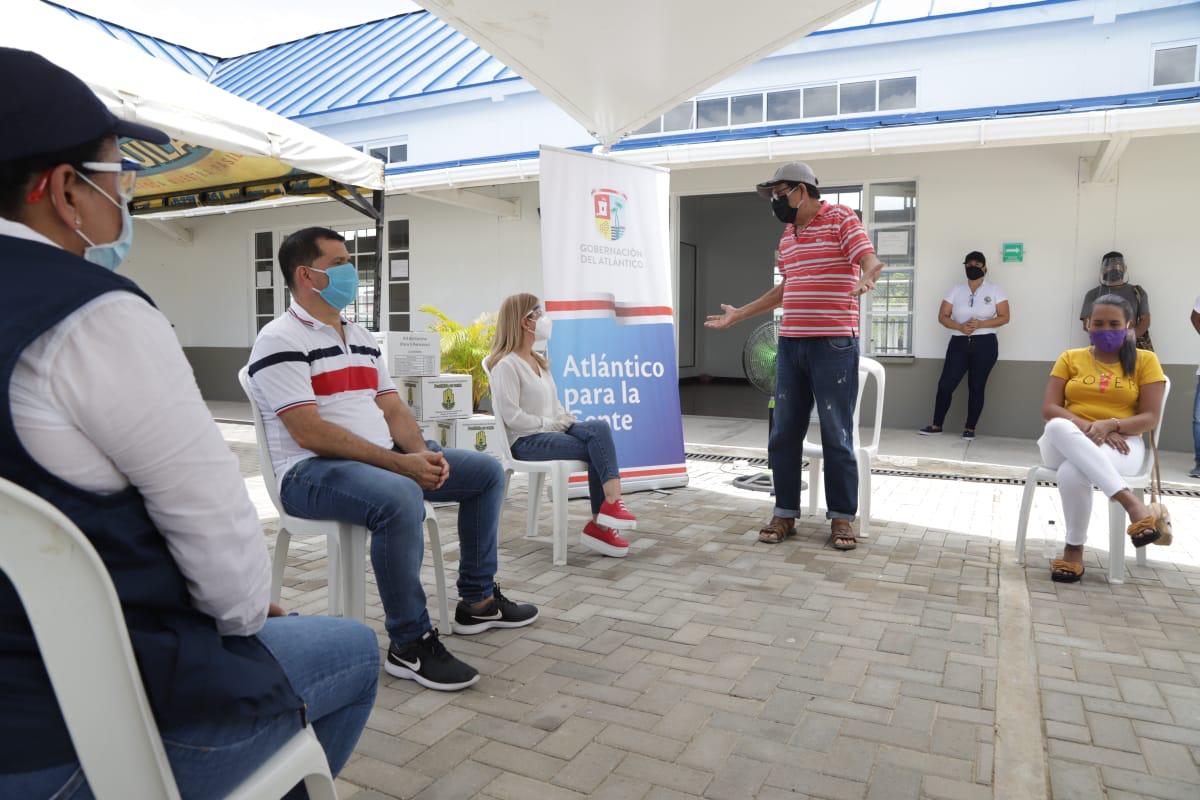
(1098, 403)
(540, 429)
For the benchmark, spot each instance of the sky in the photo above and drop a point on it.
(233, 27)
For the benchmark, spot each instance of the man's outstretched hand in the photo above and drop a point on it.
(725, 319)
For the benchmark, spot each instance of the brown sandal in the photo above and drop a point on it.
(842, 535)
(1147, 530)
(1063, 571)
(778, 529)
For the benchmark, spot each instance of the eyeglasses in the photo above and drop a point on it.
(126, 170)
(535, 313)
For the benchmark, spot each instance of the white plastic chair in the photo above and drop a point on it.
(73, 609)
(1116, 514)
(864, 454)
(559, 473)
(346, 544)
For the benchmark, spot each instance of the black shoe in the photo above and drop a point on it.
(501, 613)
(929, 430)
(968, 434)
(429, 663)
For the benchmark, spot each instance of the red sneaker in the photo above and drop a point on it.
(603, 540)
(616, 515)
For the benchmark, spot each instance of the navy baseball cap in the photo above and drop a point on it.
(48, 109)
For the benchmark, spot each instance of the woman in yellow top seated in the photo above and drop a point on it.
(1099, 401)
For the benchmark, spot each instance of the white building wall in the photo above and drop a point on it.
(959, 63)
(461, 261)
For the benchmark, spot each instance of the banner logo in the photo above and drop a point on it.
(608, 207)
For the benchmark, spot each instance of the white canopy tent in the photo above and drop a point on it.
(224, 150)
(616, 65)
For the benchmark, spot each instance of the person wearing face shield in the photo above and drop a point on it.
(1113, 274)
(827, 263)
(100, 415)
(540, 429)
(972, 310)
(346, 447)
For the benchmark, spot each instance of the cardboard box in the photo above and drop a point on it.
(441, 432)
(443, 397)
(413, 354)
(478, 433)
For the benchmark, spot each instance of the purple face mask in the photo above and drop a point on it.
(1108, 341)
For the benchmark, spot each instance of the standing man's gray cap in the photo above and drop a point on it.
(794, 172)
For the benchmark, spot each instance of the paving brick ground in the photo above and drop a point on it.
(708, 665)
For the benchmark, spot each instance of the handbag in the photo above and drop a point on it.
(1161, 515)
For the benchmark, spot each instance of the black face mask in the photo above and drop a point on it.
(975, 273)
(783, 212)
(1113, 277)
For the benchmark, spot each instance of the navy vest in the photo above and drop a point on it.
(191, 673)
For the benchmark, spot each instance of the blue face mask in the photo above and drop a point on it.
(343, 285)
(112, 254)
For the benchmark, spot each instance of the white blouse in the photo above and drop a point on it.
(525, 401)
(978, 305)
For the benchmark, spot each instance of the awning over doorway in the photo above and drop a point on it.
(223, 150)
(616, 65)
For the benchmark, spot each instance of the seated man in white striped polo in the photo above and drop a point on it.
(346, 448)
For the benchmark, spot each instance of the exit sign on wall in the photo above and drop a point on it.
(1012, 252)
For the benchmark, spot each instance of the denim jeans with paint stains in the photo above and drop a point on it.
(821, 370)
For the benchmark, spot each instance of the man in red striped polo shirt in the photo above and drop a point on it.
(827, 262)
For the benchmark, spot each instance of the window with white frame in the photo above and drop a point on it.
(399, 310)
(1177, 63)
(891, 221)
(787, 104)
(363, 246)
(395, 152)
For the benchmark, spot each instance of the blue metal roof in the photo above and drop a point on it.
(387, 59)
(1141, 99)
(187, 59)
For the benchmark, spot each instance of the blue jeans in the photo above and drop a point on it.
(391, 506)
(1196, 423)
(589, 441)
(974, 357)
(823, 369)
(333, 664)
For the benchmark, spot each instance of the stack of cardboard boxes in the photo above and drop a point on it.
(440, 402)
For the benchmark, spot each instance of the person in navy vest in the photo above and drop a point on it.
(100, 415)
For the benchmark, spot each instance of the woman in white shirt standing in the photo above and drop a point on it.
(540, 429)
(972, 311)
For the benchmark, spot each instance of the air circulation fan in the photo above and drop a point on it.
(758, 362)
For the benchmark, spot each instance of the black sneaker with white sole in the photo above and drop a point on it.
(500, 613)
(429, 663)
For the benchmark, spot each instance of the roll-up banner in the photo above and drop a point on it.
(607, 270)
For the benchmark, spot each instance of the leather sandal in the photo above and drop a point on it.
(778, 529)
(1145, 531)
(841, 535)
(1063, 571)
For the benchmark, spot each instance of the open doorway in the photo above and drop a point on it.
(731, 240)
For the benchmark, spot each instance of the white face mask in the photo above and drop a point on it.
(542, 328)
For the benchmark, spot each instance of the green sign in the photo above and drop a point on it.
(1012, 252)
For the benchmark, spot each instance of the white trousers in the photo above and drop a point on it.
(1081, 464)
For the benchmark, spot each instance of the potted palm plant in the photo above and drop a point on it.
(464, 347)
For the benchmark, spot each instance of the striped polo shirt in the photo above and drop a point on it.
(300, 361)
(820, 267)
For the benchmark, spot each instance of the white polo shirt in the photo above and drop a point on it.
(980, 304)
(297, 361)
